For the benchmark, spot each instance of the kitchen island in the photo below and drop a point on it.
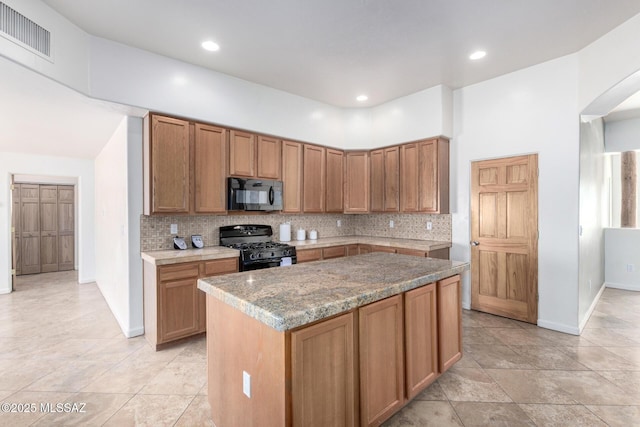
(338, 342)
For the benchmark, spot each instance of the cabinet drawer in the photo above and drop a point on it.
(387, 249)
(309, 255)
(439, 253)
(334, 252)
(220, 266)
(178, 271)
(412, 252)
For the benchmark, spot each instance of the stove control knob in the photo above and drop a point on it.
(287, 252)
(252, 256)
(260, 255)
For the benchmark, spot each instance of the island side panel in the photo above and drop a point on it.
(237, 343)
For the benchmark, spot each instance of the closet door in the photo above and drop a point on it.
(15, 224)
(48, 228)
(30, 228)
(66, 229)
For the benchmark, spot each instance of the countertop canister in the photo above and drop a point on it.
(285, 232)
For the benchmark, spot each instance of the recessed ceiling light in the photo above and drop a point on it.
(210, 46)
(362, 98)
(478, 54)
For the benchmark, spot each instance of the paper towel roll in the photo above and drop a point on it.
(285, 232)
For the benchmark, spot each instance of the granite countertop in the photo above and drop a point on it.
(288, 297)
(421, 245)
(174, 256)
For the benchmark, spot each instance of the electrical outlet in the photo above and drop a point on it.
(339, 223)
(631, 268)
(391, 224)
(429, 225)
(173, 229)
(246, 384)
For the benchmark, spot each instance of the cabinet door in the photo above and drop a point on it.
(334, 187)
(308, 255)
(391, 179)
(356, 197)
(433, 176)
(292, 176)
(269, 158)
(421, 338)
(412, 252)
(377, 181)
(387, 249)
(352, 250)
(178, 303)
(323, 371)
(409, 163)
(210, 169)
(314, 169)
(439, 253)
(242, 153)
(364, 249)
(334, 252)
(168, 164)
(381, 360)
(449, 322)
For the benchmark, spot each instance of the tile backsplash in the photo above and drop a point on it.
(155, 230)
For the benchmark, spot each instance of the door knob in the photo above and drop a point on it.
(475, 243)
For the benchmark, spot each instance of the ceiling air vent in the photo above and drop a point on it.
(18, 28)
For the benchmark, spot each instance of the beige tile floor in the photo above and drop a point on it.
(59, 343)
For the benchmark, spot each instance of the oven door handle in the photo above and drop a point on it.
(271, 195)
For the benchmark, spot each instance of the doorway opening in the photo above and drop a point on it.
(43, 225)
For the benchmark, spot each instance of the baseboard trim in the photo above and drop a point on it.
(466, 305)
(623, 286)
(134, 332)
(589, 312)
(558, 327)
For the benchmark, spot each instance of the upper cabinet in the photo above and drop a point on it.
(424, 183)
(242, 153)
(292, 176)
(314, 170)
(173, 148)
(269, 158)
(385, 179)
(166, 165)
(334, 187)
(356, 177)
(210, 172)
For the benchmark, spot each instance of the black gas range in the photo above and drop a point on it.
(256, 248)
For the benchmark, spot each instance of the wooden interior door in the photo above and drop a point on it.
(48, 228)
(15, 228)
(66, 228)
(504, 234)
(30, 228)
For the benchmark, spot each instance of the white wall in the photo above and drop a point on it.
(529, 111)
(118, 267)
(622, 135)
(621, 246)
(16, 163)
(594, 215)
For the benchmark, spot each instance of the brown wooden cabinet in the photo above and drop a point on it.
(210, 173)
(421, 339)
(334, 252)
(356, 196)
(242, 153)
(387, 249)
(323, 372)
(184, 167)
(269, 157)
(308, 255)
(334, 200)
(381, 360)
(424, 183)
(449, 322)
(167, 165)
(174, 307)
(352, 250)
(364, 249)
(314, 169)
(385, 179)
(292, 176)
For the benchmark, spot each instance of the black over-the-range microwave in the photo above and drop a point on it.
(254, 194)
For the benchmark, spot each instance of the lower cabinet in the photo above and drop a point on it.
(174, 307)
(323, 371)
(449, 322)
(381, 360)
